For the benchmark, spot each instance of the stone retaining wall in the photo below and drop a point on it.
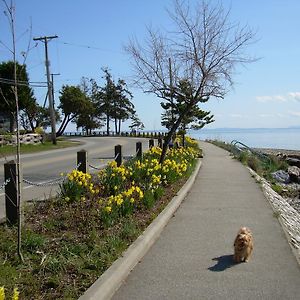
(25, 139)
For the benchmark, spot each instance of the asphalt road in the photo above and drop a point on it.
(48, 165)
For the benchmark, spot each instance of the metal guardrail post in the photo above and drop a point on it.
(151, 143)
(118, 154)
(11, 192)
(138, 149)
(82, 161)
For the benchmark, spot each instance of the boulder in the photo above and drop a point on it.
(281, 176)
(294, 173)
(293, 161)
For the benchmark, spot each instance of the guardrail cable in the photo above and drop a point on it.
(50, 182)
(96, 168)
(4, 184)
(59, 180)
(45, 183)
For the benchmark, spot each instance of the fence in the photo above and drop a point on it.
(10, 176)
(149, 134)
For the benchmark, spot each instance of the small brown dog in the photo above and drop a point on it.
(243, 245)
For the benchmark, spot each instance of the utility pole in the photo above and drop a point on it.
(45, 40)
(52, 82)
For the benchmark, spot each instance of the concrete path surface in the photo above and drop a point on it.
(192, 259)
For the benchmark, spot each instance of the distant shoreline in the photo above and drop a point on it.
(248, 128)
(287, 152)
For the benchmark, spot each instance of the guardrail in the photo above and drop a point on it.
(239, 147)
(10, 176)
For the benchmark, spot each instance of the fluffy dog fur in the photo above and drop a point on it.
(243, 245)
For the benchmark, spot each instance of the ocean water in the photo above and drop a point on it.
(277, 138)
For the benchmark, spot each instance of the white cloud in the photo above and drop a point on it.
(264, 98)
(239, 116)
(280, 115)
(279, 98)
(295, 95)
(265, 115)
(294, 113)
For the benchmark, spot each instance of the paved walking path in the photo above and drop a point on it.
(192, 259)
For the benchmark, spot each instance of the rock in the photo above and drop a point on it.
(293, 161)
(282, 156)
(294, 173)
(281, 176)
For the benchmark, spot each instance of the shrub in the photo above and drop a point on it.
(39, 130)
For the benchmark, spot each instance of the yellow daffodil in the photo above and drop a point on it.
(108, 209)
(2, 293)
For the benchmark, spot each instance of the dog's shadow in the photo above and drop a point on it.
(223, 262)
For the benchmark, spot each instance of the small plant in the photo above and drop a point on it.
(32, 241)
(76, 185)
(277, 188)
(254, 163)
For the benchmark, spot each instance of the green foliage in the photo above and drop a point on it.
(262, 164)
(277, 188)
(73, 103)
(179, 108)
(149, 199)
(45, 146)
(115, 101)
(39, 130)
(71, 191)
(136, 123)
(254, 163)
(32, 241)
(7, 96)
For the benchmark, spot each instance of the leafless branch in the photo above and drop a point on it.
(204, 47)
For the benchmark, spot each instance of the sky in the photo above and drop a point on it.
(92, 34)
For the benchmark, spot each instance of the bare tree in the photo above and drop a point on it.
(9, 12)
(203, 49)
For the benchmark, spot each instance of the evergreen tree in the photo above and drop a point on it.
(7, 97)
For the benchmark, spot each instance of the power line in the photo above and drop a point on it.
(88, 47)
(23, 83)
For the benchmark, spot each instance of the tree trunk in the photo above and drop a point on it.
(116, 126)
(171, 133)
(107, 125)
(119, 130)
(12, 122)
(67, 119)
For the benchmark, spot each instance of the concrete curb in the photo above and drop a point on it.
(111, 280)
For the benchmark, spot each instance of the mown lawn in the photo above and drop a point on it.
(61, 143)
